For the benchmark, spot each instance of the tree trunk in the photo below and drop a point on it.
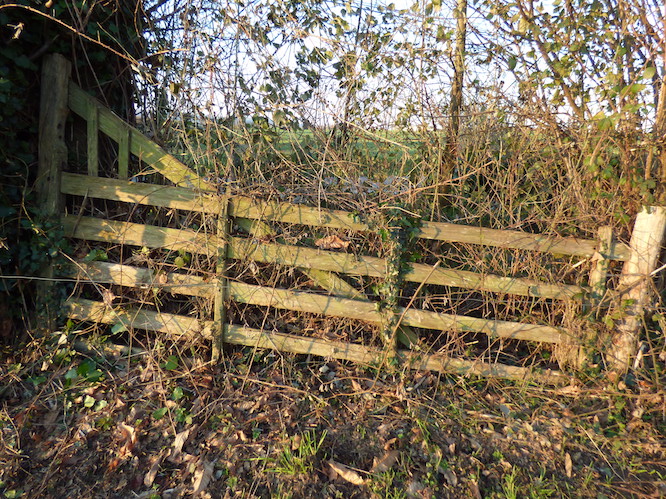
(451, 148)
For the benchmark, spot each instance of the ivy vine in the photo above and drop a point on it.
(399, 229)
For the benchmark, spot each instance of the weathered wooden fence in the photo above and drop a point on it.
(223, 243)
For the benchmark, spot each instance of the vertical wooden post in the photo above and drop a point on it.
(123, 152)
(597, 283)
(93, 141)
(221, 270)
(52, 157)
(634, 286)
(52, 117)
(599, 273)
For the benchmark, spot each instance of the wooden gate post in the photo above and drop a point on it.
(634, 286)
(52, 157)
(53, 112)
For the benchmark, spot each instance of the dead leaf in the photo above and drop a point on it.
(178, 442)
(149, 478)
(450, 477)
(128, 439)
(416, 489)
(346, 473)
(331, 242)
(385, 463)
(568, 465)
(202, 476)
(568, 390)
(332, 474)
(113, 464)
(389, 443)
(50, 418)
(475, 444)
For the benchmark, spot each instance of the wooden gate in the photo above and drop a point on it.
(228, 234)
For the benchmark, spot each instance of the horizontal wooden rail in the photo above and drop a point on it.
(346, 263)
(447, 232)
(182, 326)
(513, 239)
(164, 196)
(138, 277)
(146, 150)
(243, 207)
(248, 249)
(365, 355)
(111, 231)
(302, 301)
(185, 199)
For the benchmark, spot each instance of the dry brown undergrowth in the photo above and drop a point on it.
(263, 424)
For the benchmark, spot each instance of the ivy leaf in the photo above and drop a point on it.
(96, 255)
(159, 413)
(24, 62)
(6, 211)
(37, 380)
(101, 405)
(171, 364)
(177, 393)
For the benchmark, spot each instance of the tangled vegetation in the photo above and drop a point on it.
(546, 117)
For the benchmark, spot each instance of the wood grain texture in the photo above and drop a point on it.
(52, 158)
(245, 208)
(92, 128)
(364, 355)
(145, 194)
(304, 301)
(448, 232)
(249, 249)
(181, 327)
(172, 324)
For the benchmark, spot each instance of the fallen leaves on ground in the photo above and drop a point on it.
(227, 429)
(346, 473)
(386, 462)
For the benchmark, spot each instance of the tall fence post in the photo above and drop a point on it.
(634, 286)
(52, 157)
